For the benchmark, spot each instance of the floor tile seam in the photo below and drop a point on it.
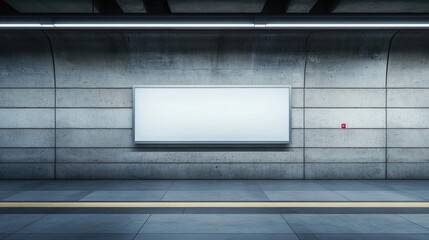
(87, 193)
(6, 236)
(336, 192)
(293, 230)
(263, 192)
(321, 184)
(36, 220)
(7, 199)
(424, 198)
(13, 194)
(401, 216)
(138, 232)
(166, 190)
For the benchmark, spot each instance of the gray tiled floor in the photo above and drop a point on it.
(305, 196)
(130, 196)
(214, 185)
(87, 223)
(290, 185)
(420, 219)
(10, 223)
(47, 196)
(216, 223)
(6, 194)
(18, 185)
(364, 236)
(422, 194)
(217, 236)
(72, 236)
(352, 223)
(214, 190)
(379, 196)
(354, 185)
(215, 196)
(214, 226)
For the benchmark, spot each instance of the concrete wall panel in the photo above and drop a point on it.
(408, 98)
(408, 118)
(354, 118)
(114, 98)
(34, 155)
(347, 59)
(122, 155)
(180, 171)
(409, 60)
(408, 138)
(345, 171)
(177, 77)
(345, 82)
(27, 118)
(121, 59)
(124, 138)
(298, 98)
(345, 138)
(407, 155)
(25, 60)
(345, 155)
(94, 118)
(10, 138)
(99, 98)
(26, 170)
(27, 98)
(297, 118)
(408, 171)
(94, 138)
(345, 98)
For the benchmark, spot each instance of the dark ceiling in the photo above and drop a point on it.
(212, 6)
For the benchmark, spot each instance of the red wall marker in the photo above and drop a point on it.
(343, 125)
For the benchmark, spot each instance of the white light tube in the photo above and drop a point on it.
(20, 25)
(154, 25)
(279, 25)
(347, 25)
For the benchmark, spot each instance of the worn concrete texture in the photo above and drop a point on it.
(78, 123)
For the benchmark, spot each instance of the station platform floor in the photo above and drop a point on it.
(214, 209)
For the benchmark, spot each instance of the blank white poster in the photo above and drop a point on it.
(212, 114)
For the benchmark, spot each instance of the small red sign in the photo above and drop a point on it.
(343, 125)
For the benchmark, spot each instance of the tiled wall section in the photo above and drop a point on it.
(27, 101)
(77, 124)
(408, 107)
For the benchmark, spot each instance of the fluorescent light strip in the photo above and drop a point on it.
(347, 25)
(20, 25)
(154, 25)
(220, 25)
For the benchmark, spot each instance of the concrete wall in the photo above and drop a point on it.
(65, 103)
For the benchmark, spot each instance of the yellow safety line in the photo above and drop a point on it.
(214, 204)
